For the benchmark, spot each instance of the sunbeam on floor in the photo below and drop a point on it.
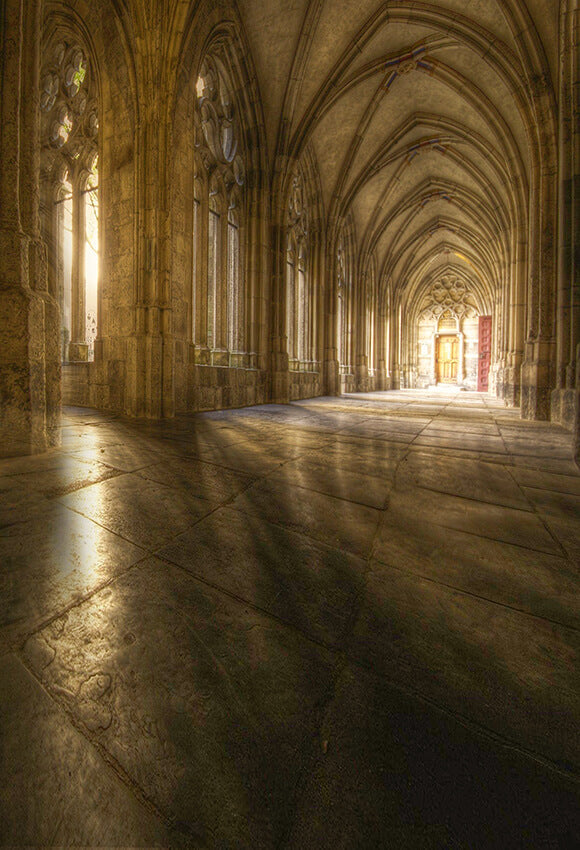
(340, 623)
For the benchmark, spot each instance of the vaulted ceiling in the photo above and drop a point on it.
(421, 116)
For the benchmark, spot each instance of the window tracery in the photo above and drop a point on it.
(343, 318)
(298, 295)
(219, 199)
(371, 297)
(69, 128)
(449, 294)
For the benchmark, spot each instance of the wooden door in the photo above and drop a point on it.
(447, 359)
(484, 354)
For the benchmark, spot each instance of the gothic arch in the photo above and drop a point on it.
(215, 185)
(70, 106)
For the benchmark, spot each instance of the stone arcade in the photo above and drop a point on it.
(289, 413)
(211, 205)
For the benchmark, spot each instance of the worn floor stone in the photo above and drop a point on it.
(203, 480)
(370, 490)
(514, 674)
(338, 522)
(57, 790)
(144, 512)
(371, 786)
(312, 586)
(485, 482)
(205, 703)
(494, 521)
(53, 561)
(279, 627)
(537, 582)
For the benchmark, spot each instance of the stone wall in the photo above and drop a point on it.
(191, 96)
(217, 387)
(304, 385)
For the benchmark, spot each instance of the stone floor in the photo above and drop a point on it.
(342, 623)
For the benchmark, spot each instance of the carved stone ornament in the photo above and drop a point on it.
(340, 270)
(69, 106)
(217, 131)
(449, 294)
(297, 208)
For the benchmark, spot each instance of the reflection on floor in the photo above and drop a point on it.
(342, 623)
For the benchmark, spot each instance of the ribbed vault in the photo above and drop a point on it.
(432, 125)
(295, 198)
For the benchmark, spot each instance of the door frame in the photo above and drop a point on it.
(460, 357)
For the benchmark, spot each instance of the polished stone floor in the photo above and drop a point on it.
(342, 623)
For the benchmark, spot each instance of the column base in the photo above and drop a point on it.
(29, 350)
(279, 378)
(565, 411)
(362, 376)
(507, 386)
(78, 352)
(331, 377)
(537, 380)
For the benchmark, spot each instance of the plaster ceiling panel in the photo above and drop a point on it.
(331, 40)
(418, 219)
(429, 243)
(365, 202)
(486, 79)
(475, 158)
(391, 40)
(333, 135)
(442, 239)
(392, 188)
(417, 92)
(364, 205)
(545, 14)
(273, 29)
(491, 172)
(403, 220)
(487, 13)
(402, 215)
(422, 210)
(443, 261)
(444, 169)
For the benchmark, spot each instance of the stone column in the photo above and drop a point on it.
(512, 381)
(279, 363)
(78, 347)
(395, 346)
(29, 318)
(151, 348)
(566, 396)
(380, 344)
(461, 357)
(361, 366)
(434, 339)
(329, 320)
(538, 368)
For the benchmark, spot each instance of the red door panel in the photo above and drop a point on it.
(484, 353)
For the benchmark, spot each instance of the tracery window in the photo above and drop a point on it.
(214, 269)
(449, 295)
(197, 308)
(371, 297)
(343, 317)
(234, 303)
(299, 301)
(218, 284)
(291, 316)
(70, 126)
